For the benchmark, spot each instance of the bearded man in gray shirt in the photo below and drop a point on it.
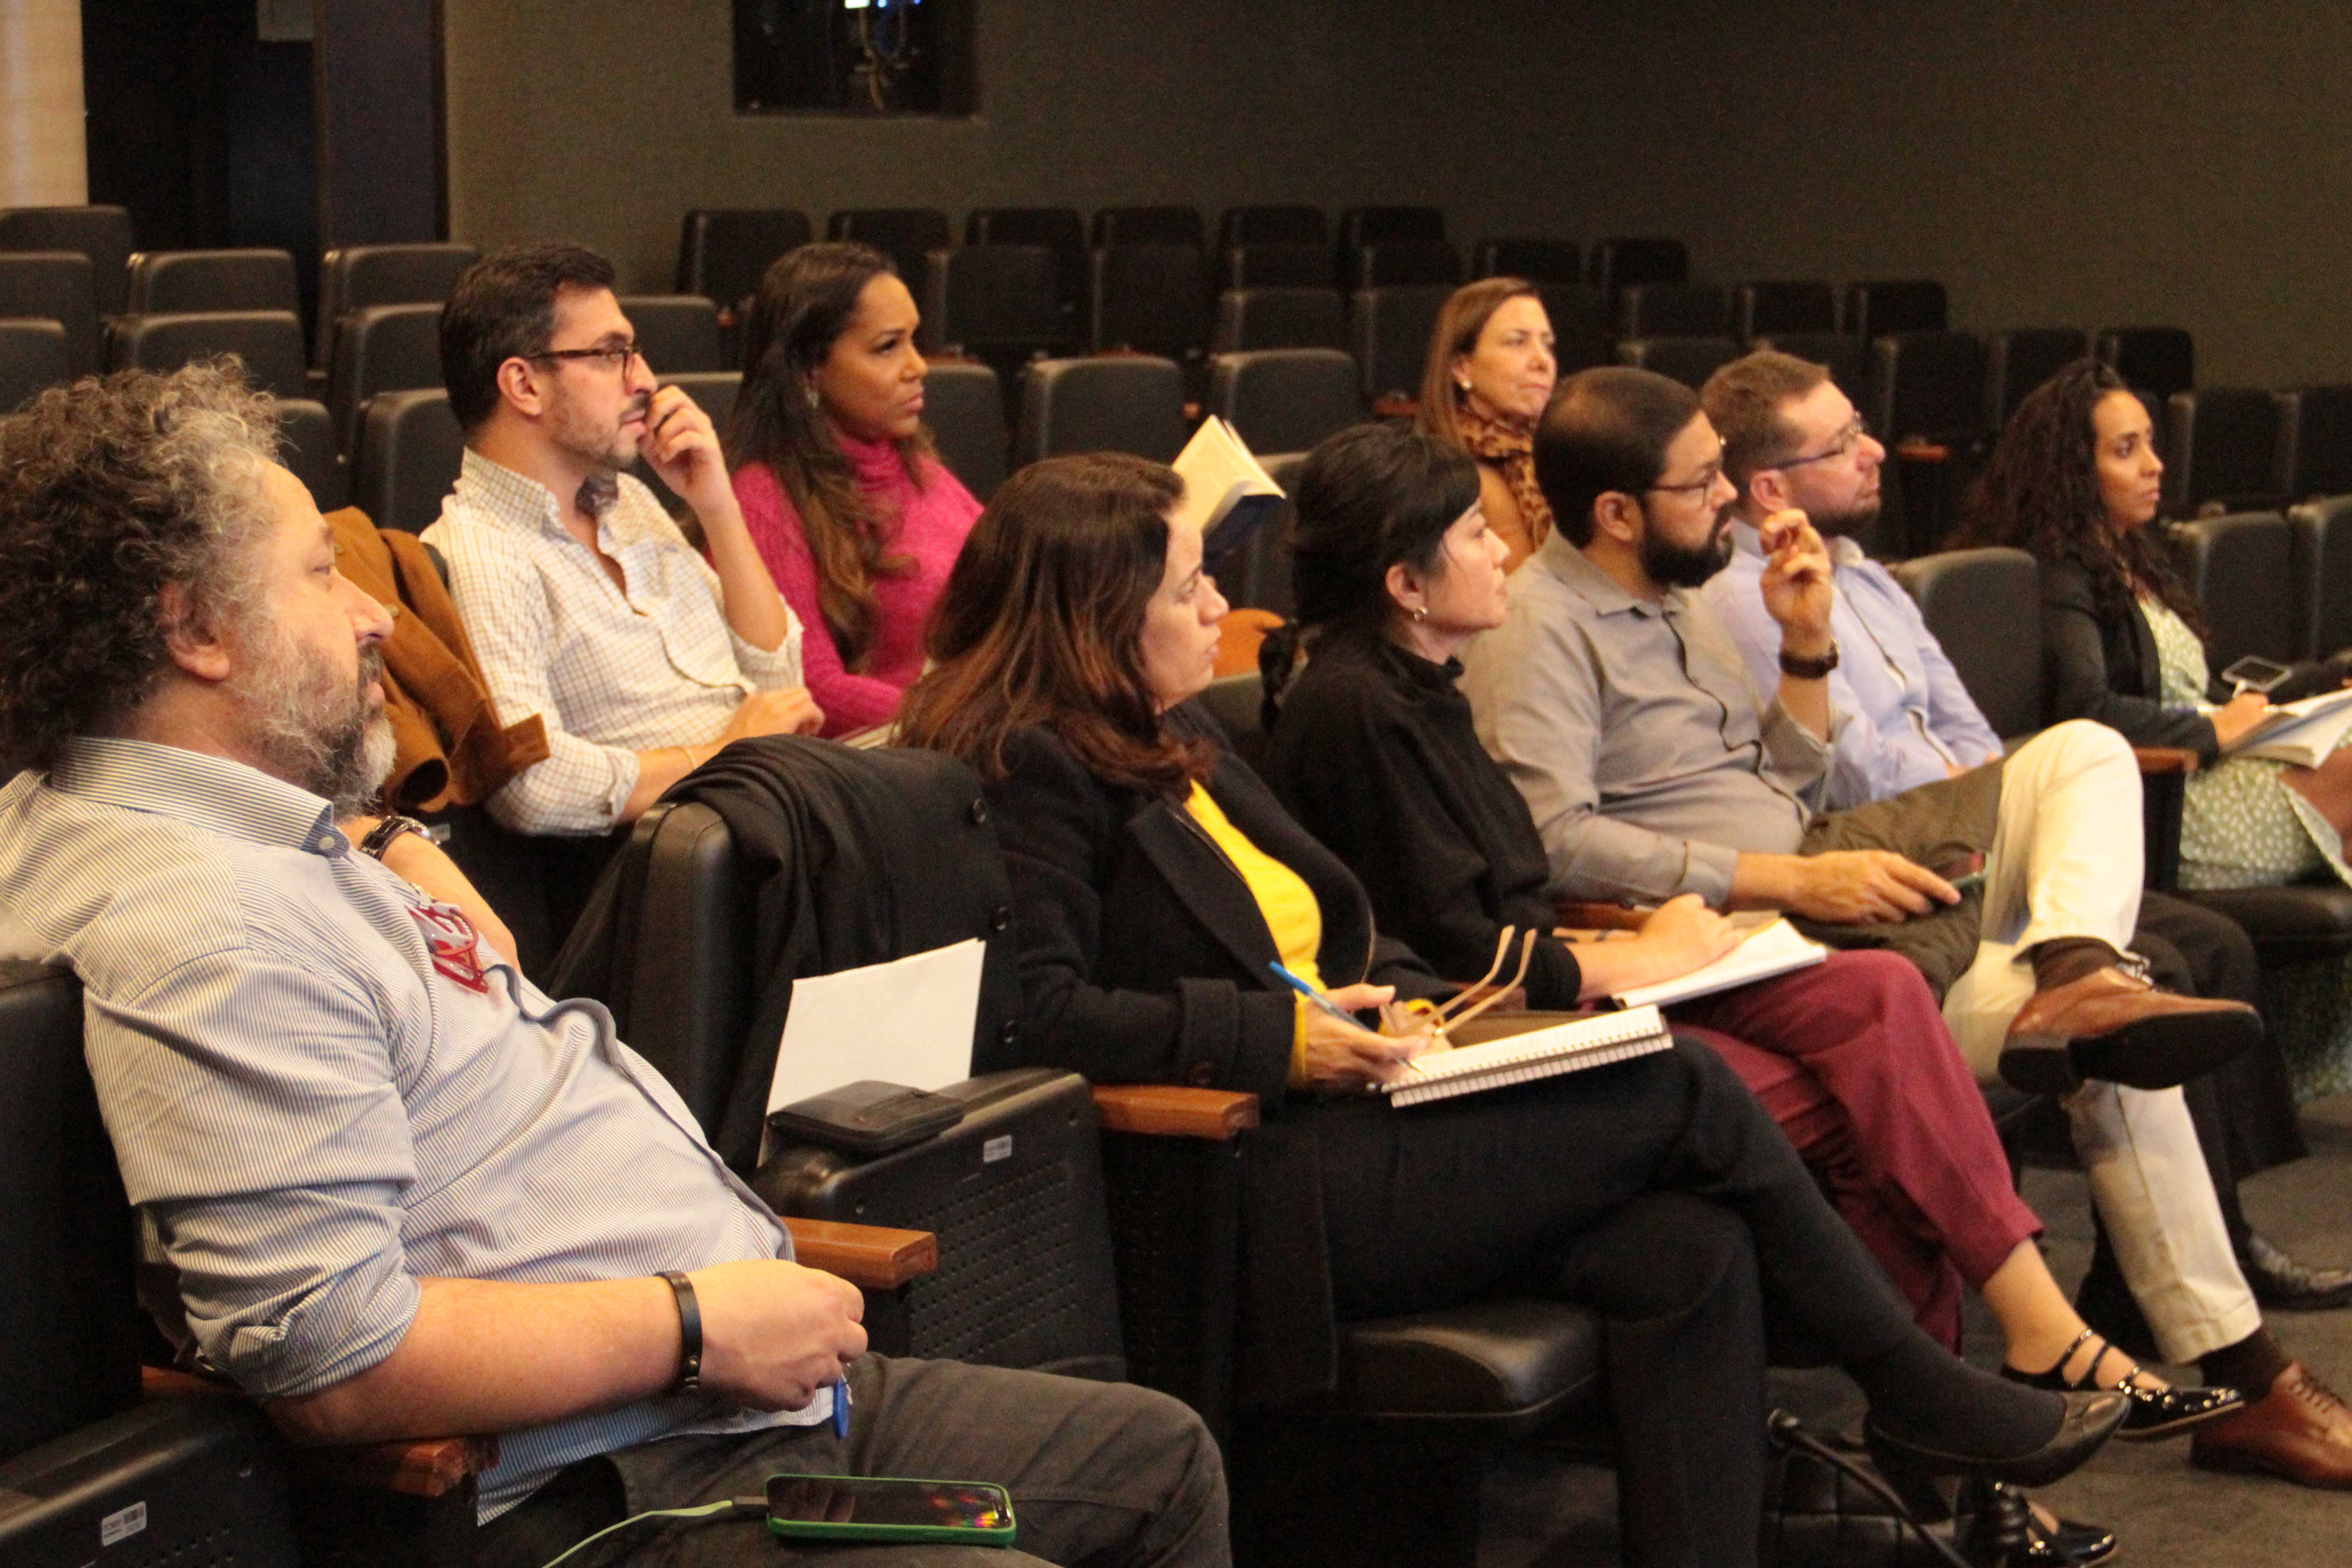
(404, 1193)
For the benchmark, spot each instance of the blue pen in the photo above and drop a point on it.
(841, 1407)
(1313, 993)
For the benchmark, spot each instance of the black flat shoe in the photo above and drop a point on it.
(2284, 1285)
(2156, 1413)
(1911, 1469)
(2000, 1530)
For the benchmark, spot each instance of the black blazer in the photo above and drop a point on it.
(2105, 667)
(1144, 958)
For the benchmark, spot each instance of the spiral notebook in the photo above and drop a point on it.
(1531, 1049)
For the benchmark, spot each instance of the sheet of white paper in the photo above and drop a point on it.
(908, 1021)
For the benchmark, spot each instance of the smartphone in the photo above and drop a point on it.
(881, 1507)
(2253, 674)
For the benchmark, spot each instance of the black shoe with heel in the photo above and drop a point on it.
(2156, 1413)
(1911, 1469)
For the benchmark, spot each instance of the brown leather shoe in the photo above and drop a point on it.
(2300, 1431)
(2115, 1026)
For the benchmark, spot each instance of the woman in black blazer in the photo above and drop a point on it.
(1148, 872)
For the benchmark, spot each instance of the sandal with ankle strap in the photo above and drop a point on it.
(2156, 1413)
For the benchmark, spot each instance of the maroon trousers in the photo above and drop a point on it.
(1853, 1060)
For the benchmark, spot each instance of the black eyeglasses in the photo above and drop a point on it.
(1848, 439)
(616, 356)
(1703, 483)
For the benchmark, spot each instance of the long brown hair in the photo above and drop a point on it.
(1042, 623)
(2040, 493)
(1460, 320)
(805, 304)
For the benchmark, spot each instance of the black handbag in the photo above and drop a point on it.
(1827, 1509)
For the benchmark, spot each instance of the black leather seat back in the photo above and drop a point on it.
(989, 299)
(1389, 330)
(1985, 607)
(1537, 261)
(2325, 552)
(964, 405)
(1278, 317)
(2156, 361)
(69, 1332)
(353, 277)
(905, 235)
(723, 252)
(1758, 310)
(1150, 299)
(1285, 400)
(268, 341)
(2316, 441)
(33, 356)
(1875, 307)
(2220, 451)
(380, 348)
(1579, 324)
(1687, 360)
(1126, 403)
(1258, 575)
(409, 452)
(1276, 264)
(309, 447)
(1149, 226)
(1671, 311)
(2242, 568)
(1928, 384)
(163, 281)
(1281, 225)
(101, 233)
(1059, 230)
(54, 286)
(678, 333)
(1614, 263)
(2018, 362)
(1402, 261)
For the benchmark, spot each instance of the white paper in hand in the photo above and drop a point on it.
(908, 1021)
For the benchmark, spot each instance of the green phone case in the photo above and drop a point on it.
(821, 1529)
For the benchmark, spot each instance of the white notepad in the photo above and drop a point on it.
(1775, 948)
(1540, 1051)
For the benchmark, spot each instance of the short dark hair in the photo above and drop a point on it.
(1607, 429)
(1367, 497)
(503, 308)
(111, 489)
(1743, 401)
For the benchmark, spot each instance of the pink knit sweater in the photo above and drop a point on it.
(931, 523)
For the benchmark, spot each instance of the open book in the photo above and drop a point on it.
(1773, 948)
(1517, 1047)
(2303, 732)
(1227, 496)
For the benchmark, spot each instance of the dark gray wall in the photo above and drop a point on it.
(2056, 162)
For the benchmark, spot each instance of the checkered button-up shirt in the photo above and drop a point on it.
(612, 670)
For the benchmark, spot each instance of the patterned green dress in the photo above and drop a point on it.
(2240, 826)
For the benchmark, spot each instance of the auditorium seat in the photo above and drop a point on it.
(678, 333)
(54, 286)
(353, 277)
(1249, 319)
(1614, 263)
(2315, 441)
(2220, 451)
(1389, 262)
(1119, 403)
(1258, 575)
(1149, 226)
(1275, 225)
(905, 235)
(1760, 310)
(1150, 299)
(101, 233)
(1846, 357)
(1537, 261)
(1060, 230)
(1389, 332)
(311, 448)
(2157, 361)
(2323, 557)
(409, 453)
(1360, 226)
(1926, 401)
(2242, 567)
(1669, 310)
(1689, 360)
(33, 356)
(2017, 362)
(963, 405)
(268, 341)
(1274, 263)
(380, 347)
(723, 252)
(999, 303)
(1984, 609)
(1285, 400)
(169, 282)
(1579, 324)
(1875, 307)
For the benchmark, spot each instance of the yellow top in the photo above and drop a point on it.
(1285, 900)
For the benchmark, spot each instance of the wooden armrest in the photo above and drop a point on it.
(1515, 998)
(2165, 759)
(1585, 916)
(1171, 1110)
(870, 1257)
(415, 1467)
(1395, 405)
(1919, 451)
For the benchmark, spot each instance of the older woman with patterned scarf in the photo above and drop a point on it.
(1490, 375)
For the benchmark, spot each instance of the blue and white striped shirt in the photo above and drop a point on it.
(312, 1115)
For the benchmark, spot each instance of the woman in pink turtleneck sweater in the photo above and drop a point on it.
(851, 509)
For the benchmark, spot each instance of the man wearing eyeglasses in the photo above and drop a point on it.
(586, 603)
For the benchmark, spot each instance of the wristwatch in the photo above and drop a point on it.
(1810, 668)
(381, 836)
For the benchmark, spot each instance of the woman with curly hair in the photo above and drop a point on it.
(1491, 371)
(2073, 483)
(848, 503)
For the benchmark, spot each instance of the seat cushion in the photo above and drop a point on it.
(1515, 1358)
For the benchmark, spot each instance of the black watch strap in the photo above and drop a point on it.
(689, 1333)
(1810, 668)
(381, 836)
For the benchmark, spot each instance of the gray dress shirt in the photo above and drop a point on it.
(1634, 733)
(319, 1092)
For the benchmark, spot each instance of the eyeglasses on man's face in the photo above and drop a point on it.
(1848, 439)
(616, 357)
(1707, 479)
